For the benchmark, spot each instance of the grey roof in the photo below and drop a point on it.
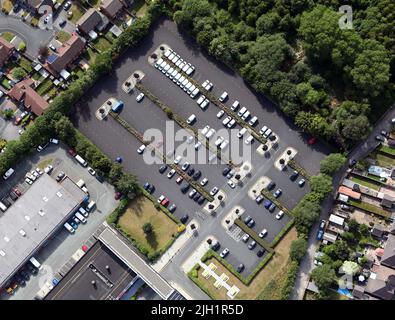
(378, 230)
(112, 241)
(34, 217)
(380, 289)
(358, 292)
(388, 258)
(89, 20)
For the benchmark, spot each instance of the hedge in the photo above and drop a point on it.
(191, 275)
(282, 233)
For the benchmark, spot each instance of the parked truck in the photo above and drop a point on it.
(81, 160)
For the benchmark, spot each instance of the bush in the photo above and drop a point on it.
(332, 163)
(298, 249)
(22, 47)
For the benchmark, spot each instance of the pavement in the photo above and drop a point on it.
(59, 250)
(33, 37)
(358, 153)
(110, 137)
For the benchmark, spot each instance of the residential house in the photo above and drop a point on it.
(388, 258)
(377, 231)
(89, 21)
(387, 201)
(34, 5)
(6, 51)
(349, 192)
(111, 8)
(381, 289)
(379, 171)
(23, 92)
(66, 54)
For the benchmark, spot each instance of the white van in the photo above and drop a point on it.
(69, 227)
(3, 207)
(83, 212)
(191, 119)
(241, 133)
(194, 93)
(8, 173)
(90, 206)
(210, 133)
(81, 160)
(158, 62)
(235, 105)
(35, 263)
(80, 217)
(253, 121)
(267, 133)
(246, 115)
(241, 111)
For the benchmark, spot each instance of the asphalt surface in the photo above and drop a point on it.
(110, 137)
(33, 37)
(358, 153)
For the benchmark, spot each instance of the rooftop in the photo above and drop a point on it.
(111, 7)
(89, 20)
(6, 49)
(32, 219)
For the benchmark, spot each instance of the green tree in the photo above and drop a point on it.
(127, 183)
(7, 113)
(323, 276)
(306, 213)
(148, 228)
(298, 249)
(65, 130)
(332, 163)
(321, 183)
(19, 73)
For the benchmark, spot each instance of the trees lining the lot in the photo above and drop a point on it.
(332, 163)
(295, 53)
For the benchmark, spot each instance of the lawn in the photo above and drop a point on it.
(365, 183)
(44, 163)
(387, 149)
(140, 211)
(4, 83)
(276, 267)
(90, 56)
(102, 44)
(95, 3)
(7, 36)
(78, 11)
(44, 86)
(63, 36)
(25, 64)
(140, 7)
(384, 161)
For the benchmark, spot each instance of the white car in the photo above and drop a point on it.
(191, 119)
(246, 115)
(205, 130)
(241, 111)
(194, 93)
(241, 133)
(253, 121)
(263, 233)
(220, 114)
(161, 198)
(28, 181)
(158, 63)
(262, 131)
(219, 141)
(235, 105)
(224, 253)
(245, 237)
(226, 120)
(200, 100)
(141, 149)
(267, 133)
(198, 145)
(210, 133)
(178, 159)
(168, 53)
(223, 96)
(54, 141)
(205, 104)
(48, 169)
(203, 182)
(207, 85)
(279, 215)
(214, 191)
(190, 139)
(171, 173)
(91, 171)
(231, 123)
(140, 97)
(231, 184)
(249, 140)
(224, 144)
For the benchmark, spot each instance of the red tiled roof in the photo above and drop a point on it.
(349, 192)
(6, 49)
(31, 99)
(67, 53)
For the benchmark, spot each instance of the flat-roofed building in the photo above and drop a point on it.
(34, 218)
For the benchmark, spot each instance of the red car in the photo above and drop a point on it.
(72, 152)
(165, 202)
(17, 121)
(312, 140)
(118, 195)
(84, 248)
(16, 191)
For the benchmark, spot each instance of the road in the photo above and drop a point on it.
(33, 37)
(359, 152)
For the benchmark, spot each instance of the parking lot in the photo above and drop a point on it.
(58, 250)
(110, 137)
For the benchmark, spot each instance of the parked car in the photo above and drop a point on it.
(322, 224)
(203, 182)
(380, 138)
(272, 207)
(294, 175)
(223, 96)
(301, 182)
(240, 268)
(263, 233)
(320, 235)
(260, 252)
(141, 149)
(192, 193)
(277, 193)
(220, 114)
(179, 179)
(185, 166)
(185, 188)
(345, 207)
(190, 172)
(259, 199)
(91, 171)
(60, 176)
(245, 237)
(197, 175)
(215, 246)
(172, 208)
(163, 168)
(140, 97)
(171, 173)
(184, 218)
(231, 184)
(271, 185)
(224, 253)
(267, 203)
(279, 215)
(226, 171)
(214, 191)
(252, 245)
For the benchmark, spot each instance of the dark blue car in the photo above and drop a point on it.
(267, 204)
(320, 234)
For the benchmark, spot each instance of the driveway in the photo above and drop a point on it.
(34, 38)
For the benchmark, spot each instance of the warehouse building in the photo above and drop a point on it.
(33, 219)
